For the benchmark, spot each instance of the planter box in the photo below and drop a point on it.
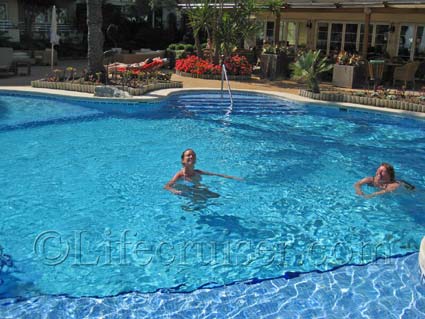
(346, 76)
(89, 88)
(214, 76)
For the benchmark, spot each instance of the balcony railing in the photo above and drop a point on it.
(7, 25)
(45, 27)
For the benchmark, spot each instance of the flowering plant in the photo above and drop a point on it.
(346, 58)
(235, 65)
(238, 65)
(193, 64)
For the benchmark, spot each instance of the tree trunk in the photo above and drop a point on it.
(198, 44)
(95, 37)
(314, 85)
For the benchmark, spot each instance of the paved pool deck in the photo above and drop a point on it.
(282, 88)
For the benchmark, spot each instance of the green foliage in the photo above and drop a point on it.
(180, 46)
(275, 5)
(308, 67)
(188, 47)
(172, 46)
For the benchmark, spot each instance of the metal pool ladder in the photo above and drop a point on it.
(224, 77)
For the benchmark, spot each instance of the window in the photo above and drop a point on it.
(420, 42)
(322, 36)
(381, 38)
(269, 31)
(405, 45)
(294, 33)
(349, 36)
(336, 37)
(3, 11)
(412, 42)
(291, 35)
(302, 34)
(350, 43)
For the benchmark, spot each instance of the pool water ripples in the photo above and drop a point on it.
(95, 185)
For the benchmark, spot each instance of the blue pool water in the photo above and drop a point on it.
(84, 212)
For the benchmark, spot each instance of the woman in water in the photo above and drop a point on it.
(188, 174)
(384, 180)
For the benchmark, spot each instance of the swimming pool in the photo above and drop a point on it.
(84, 212)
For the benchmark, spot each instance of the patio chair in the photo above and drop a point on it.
(406, 73)
(6, 60)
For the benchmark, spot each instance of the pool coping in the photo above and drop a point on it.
(159, 95)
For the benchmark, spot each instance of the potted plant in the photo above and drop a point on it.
(308, 67)
(346, 70)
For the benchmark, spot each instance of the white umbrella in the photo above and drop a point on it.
(54, 37)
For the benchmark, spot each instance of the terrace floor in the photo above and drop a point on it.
(38, 72)
(284, 86)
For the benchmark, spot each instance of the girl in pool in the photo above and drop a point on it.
(188, 174)
(384, 180)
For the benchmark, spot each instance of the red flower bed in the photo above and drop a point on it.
(235, 65)
(238, 65)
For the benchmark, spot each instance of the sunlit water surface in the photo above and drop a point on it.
(84, 211)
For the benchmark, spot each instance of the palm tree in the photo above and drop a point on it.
(308, 67)
(200, 18)
(275, 6)
(95, 37)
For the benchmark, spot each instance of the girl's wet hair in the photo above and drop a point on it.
(390, 170)
(188, 149)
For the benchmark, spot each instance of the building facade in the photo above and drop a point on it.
(388, 27)
(395, 28)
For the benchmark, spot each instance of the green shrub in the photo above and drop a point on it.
(172, 46)
(189, 47)
(308, 67)
(180, 54)
(180, 46)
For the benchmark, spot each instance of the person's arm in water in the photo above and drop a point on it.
(170, 184)
(390, 188)
(360, 183)
(369, 180)
(220, 175)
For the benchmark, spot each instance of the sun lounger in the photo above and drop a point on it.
(149, 65)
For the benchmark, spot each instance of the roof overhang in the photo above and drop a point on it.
(320, 4)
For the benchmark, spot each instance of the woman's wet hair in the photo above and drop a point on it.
(188, 149)
(390, 170)
(407, 185)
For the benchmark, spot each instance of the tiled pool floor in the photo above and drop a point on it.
(389, 288)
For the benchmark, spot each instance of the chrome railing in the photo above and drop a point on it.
(224, 77)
